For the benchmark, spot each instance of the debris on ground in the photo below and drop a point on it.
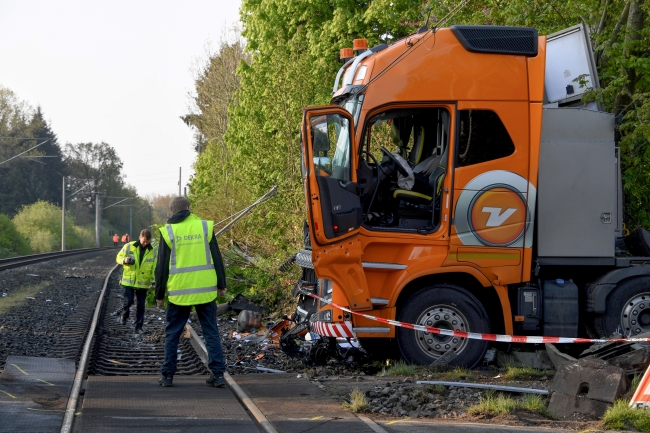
(631, 357)
(588, 386)
(558, 358)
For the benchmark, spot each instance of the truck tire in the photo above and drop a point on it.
(628, 310)
(444, 306)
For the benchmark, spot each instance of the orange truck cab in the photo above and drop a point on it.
(448, 184)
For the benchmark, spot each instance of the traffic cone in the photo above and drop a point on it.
(641, 398)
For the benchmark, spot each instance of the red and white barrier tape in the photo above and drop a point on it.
(477, 336)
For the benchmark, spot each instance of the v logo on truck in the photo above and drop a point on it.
(496, 209)
(496, 217)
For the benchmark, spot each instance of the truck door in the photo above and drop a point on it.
(493, 213)
(334, 206)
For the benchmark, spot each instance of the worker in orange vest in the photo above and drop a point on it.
(116, 239)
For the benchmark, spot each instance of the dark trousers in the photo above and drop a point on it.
(114, 244)
(141, 294)
(177, 316)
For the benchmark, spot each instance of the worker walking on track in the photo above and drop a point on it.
(138, 260)
(191, 270)
(116, 239)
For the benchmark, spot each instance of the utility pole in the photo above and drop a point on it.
(98, 211)
(63, 216)
(150, 216)
(184, 191)
(131, 221)
(179, 181)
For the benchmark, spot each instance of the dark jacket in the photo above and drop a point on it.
(162, 266)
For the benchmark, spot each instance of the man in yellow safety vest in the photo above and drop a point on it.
(190, 270)
(138, 262)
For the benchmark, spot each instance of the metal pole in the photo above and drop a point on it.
(184, 191)
(63, 216)
(98, 211)
(179, 181)
(150, 216)
(131, 221)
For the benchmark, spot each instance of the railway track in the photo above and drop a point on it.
(15, 262)
(117, 351)
(110, 384)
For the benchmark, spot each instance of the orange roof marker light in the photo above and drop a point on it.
(360, 45)
(346, 54)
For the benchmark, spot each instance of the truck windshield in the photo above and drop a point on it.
(353, 106)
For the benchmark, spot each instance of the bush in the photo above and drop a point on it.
(5, 253)
(40, 223)
(12, 243)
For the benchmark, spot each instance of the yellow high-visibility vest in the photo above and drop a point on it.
(139, 274)
(192, 278)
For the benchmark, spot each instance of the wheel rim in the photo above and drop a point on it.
(635, 317)
(444, 317)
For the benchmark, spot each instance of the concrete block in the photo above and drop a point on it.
(558, 358)
(592, 378)
(538, 359)
(565, 405)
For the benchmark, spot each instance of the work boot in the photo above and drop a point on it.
(138, 330)
(123, 320)
(165, 380)
(216, 381)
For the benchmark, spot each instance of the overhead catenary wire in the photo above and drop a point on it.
(237, 216)
(241, 211)
(22, 153)
(117, 203)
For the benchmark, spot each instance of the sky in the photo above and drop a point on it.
(117, 72)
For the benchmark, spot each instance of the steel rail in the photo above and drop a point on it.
(73, 400)
(15, 262)
(201, 350)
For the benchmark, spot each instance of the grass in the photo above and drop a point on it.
(519, 373)
(636, 380)
(621, 416)
(497, 404)
(19, 297)
(456, 374)
(401, 368)
(358, 402)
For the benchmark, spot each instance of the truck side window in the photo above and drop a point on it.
(483, 137)
(331, 146)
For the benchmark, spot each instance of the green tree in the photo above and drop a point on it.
(96, 168)
(35, 175)
(293, 49)
(12, 243)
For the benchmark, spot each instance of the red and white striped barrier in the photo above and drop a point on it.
(327, 330)
(333, 329)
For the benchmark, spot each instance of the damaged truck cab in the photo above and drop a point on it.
(443, 189)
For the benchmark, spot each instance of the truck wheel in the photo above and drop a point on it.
(445, 306)
(628, 309)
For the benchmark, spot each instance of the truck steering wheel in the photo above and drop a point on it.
(398, 166)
